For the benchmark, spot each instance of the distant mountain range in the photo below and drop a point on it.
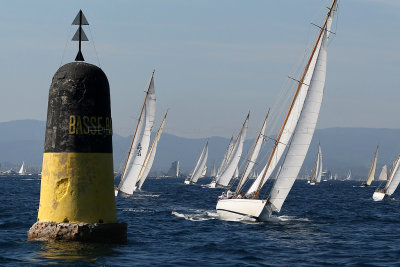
(343, 149)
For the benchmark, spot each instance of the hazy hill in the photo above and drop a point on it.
(342, 148)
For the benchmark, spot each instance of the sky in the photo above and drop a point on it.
(214, 61)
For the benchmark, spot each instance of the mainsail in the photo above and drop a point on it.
(372, 168)
(140, 142)
(305, 126)
(200, 165)
(234, 157)
(148, 162)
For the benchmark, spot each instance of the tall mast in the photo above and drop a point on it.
(137, 126)
(301, 82)
(252, 151)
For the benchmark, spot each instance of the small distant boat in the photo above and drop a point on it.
(200, 168)
(372, 168)
(213, 171)
(383, 175)
(317, 171)
(391, 184)
(348, 177)
(22, 170)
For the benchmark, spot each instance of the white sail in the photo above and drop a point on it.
(225, 159)
(236, 153)
(317, 171)
(236, 173)
(372, 168)
(148, 163)
(213, 171)
(348, 177)
(288, 128)
(22, 169)
(394, 178)
(305, 127)
(140, 143)
(383, 174)
(200, 165)
(253, 157)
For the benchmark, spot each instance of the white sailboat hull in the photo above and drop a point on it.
(378, 196)
(237, 209)
(187, 181)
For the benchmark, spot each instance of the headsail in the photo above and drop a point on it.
(253, 156)
(233, 159)
(383, 174)
(148, 163)
(306, 124)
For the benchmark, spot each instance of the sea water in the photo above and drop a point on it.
(171, 224)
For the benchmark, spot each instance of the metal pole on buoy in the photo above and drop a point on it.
(77, 200)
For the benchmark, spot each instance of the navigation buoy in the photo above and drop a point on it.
(77, 187)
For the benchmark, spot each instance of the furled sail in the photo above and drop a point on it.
(383, 174)
(148, 163)
(200, 165)
(372, 168)
(305, 126)
(234, 158)
(140, 143)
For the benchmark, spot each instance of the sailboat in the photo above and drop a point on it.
(200, 167)
(317, 171)
(253, 156)
(300, 121)
(372, 168)
(348, 177)
(151, 153)
(383, 174)
(140, 143)
(22, 170)
(391, 184)
(213, 171)
(232, 160)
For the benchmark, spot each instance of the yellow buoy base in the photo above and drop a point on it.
(77, 187)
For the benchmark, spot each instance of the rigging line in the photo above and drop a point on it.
(95, 51)
(65, 47)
